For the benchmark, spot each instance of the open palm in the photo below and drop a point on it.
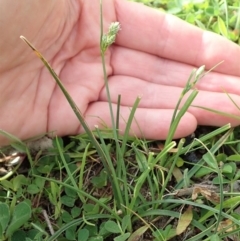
(152, 57)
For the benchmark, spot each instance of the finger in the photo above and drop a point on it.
(164, 35)
(148, 123)
(154, 69)
(166, 97)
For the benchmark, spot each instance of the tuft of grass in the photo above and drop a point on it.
(105, 186)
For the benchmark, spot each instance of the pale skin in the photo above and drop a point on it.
(152, 57)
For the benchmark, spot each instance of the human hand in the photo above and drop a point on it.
(153, 57)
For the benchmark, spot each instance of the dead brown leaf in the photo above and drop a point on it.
(207, 193)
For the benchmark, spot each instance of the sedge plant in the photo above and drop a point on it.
(140, 179)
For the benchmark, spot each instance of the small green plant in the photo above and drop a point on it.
(12, 220)
(105, 186)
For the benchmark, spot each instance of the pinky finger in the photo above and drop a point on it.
(147, 123)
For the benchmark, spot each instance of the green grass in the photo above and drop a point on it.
(105, 186)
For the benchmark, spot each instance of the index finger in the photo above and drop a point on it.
(155, 32)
